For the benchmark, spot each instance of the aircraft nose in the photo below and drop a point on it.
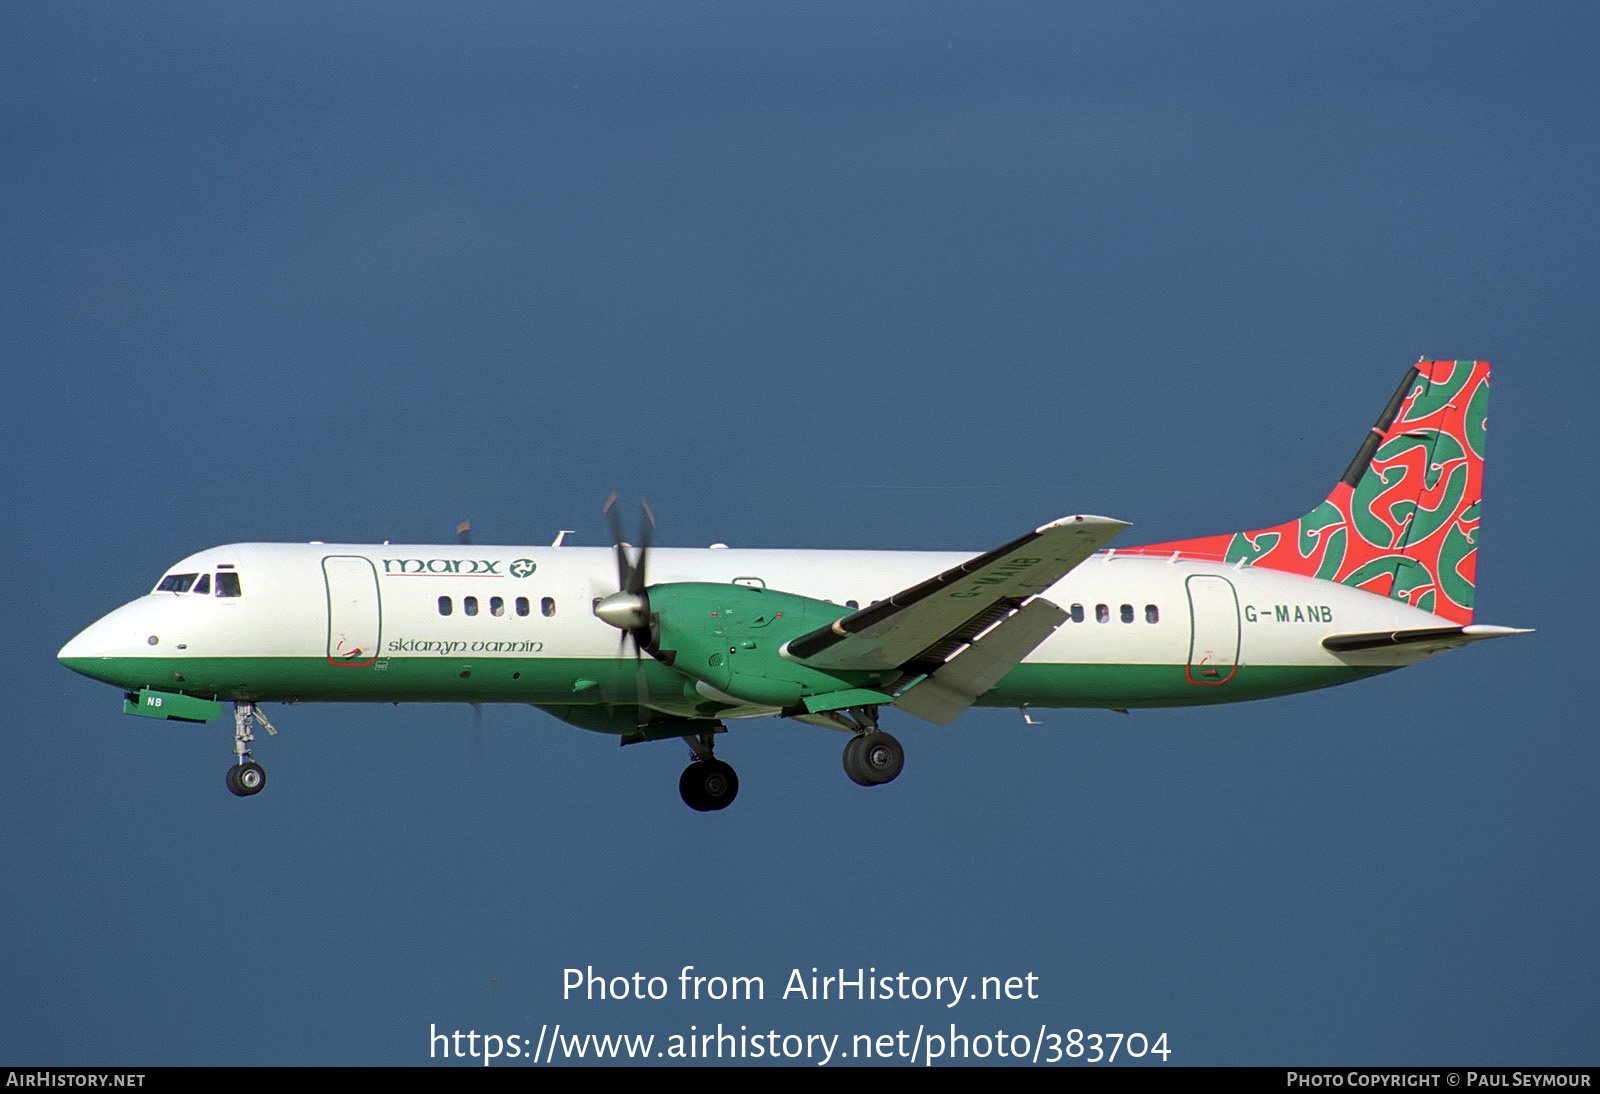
(102, 649)
(73, 650)
(87, 651)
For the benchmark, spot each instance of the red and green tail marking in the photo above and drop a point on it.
(1403, 520)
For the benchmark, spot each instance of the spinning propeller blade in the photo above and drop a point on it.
(628, 609)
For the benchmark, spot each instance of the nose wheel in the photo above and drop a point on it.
(246, 779)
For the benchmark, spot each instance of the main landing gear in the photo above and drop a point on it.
(707, 784)
(873, 758)
(246, 777)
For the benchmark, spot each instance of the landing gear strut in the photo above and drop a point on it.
(707, 784)
(246, 777)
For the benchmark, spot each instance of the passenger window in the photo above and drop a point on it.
(469, 604)
(522, 605)
(228, 584)
(497, 606)
(1102, 614)
(1077, 613)
(203, 586)
(1127, 613)
(548, 606)
(1152, 614)
(445, 607)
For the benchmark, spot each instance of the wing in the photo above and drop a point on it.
(964, 628)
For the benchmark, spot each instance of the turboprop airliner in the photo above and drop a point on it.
(649, 644)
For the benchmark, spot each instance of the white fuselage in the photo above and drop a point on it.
(354, 618)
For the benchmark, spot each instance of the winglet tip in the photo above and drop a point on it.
(1085, 520)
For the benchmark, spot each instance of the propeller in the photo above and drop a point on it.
(628, 609)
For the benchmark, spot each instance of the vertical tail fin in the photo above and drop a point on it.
(1403, 520)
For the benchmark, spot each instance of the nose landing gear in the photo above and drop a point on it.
(246, 777)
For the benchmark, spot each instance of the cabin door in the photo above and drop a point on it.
(355, 619)
(1213, 630)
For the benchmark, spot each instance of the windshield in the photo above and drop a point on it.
(227, 584)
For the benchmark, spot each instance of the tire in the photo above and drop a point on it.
(854, 765)
(708, 785)
(246, 779)
(873, 759)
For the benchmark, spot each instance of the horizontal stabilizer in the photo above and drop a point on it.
(1431, 639)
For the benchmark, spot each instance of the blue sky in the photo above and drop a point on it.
(824, 275)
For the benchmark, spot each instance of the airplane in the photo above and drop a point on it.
(656, 643)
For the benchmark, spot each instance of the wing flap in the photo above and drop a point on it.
(956, 685)
(918, 628)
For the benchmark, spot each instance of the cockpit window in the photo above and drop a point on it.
(200, 584)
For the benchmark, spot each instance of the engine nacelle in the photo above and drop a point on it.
(730, 638)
